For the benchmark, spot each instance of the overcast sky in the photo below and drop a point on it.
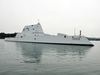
(56, 16)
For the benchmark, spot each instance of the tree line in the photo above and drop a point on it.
(4, 35)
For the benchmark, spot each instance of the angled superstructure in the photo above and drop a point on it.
(32, 29)
(35, 34)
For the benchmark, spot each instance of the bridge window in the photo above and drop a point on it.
(64, 36)
(27, 29)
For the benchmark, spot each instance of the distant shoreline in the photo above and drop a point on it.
(4, 35)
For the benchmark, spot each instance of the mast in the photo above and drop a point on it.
(74, 32)
(80, 32)
(38, 22)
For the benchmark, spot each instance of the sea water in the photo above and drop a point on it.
(18, 58)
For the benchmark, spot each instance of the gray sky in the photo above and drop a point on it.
(55, 16)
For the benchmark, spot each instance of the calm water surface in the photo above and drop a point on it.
(46, 59)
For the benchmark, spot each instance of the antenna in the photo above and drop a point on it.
(80, 33)
(74, 32)
(38, 21)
